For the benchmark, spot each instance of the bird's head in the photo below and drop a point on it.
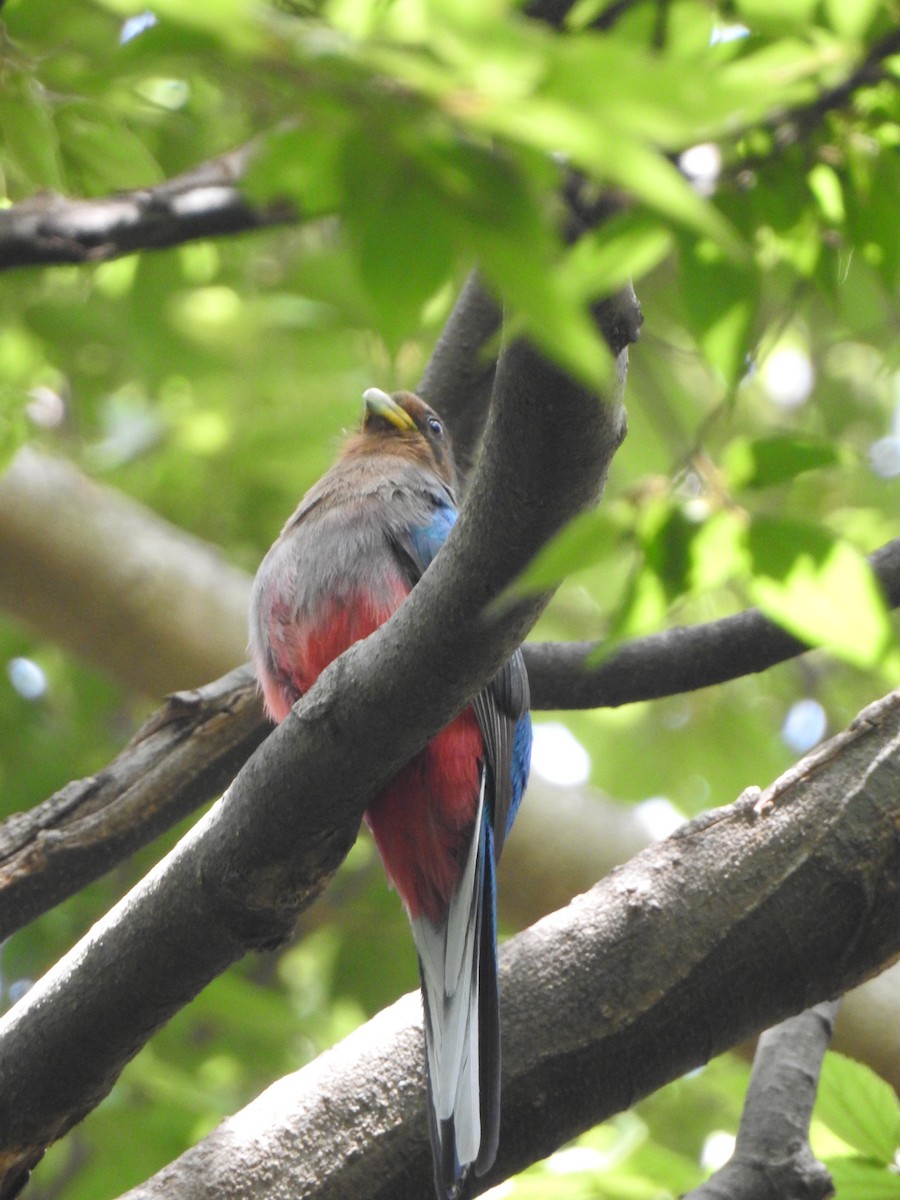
(412, 428)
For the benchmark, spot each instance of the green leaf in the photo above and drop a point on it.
(763, 462)
(859, 1107)
(586, 540)
(104, 152)
(504, 215)
(719, 551)
(871, 213)
(692, 556)
(720, 299)
(851, 20)
(775, 15)
(787, 70)
(622, 250)
(400, 230)
(662, 187)
(28, 134)
(818, 587)
(667, 536)
(825, 184)
(300, 164)
(642, 611)
(858, 1179)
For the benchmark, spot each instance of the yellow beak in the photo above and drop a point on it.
(380, 404)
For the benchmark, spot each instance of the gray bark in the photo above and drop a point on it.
(742, 918)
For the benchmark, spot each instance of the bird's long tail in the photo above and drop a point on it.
(458, 969)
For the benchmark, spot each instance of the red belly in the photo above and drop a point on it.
(303, 650)
(422, 821)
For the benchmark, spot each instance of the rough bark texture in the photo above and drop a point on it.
(773, 1159)
(191, 748)
(747, 915)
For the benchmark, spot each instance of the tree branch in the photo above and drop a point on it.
(98, 573)
(239, 879)
(115, 583)
(203, 202)
(677, 660)
(794, 126)
(183, 756)
(773, 1157)
(605, 1001)
(206, 202)
(460, 372)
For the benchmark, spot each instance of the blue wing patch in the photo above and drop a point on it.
(519, 763)
(426, 540)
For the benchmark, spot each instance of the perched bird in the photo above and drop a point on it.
(357, 544)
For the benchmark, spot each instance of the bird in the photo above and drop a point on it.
(355, 547)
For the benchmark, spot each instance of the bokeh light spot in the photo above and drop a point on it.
(558, 756)
(804, 725)
(27, 678)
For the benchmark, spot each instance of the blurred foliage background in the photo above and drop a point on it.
(211, 383)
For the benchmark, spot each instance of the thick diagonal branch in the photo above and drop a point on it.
(190, 748)
(634, 983)
(240, 878)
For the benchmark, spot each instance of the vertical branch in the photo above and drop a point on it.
(772, 1156)
(460, 373)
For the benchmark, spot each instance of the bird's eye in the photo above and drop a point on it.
(435, 426)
